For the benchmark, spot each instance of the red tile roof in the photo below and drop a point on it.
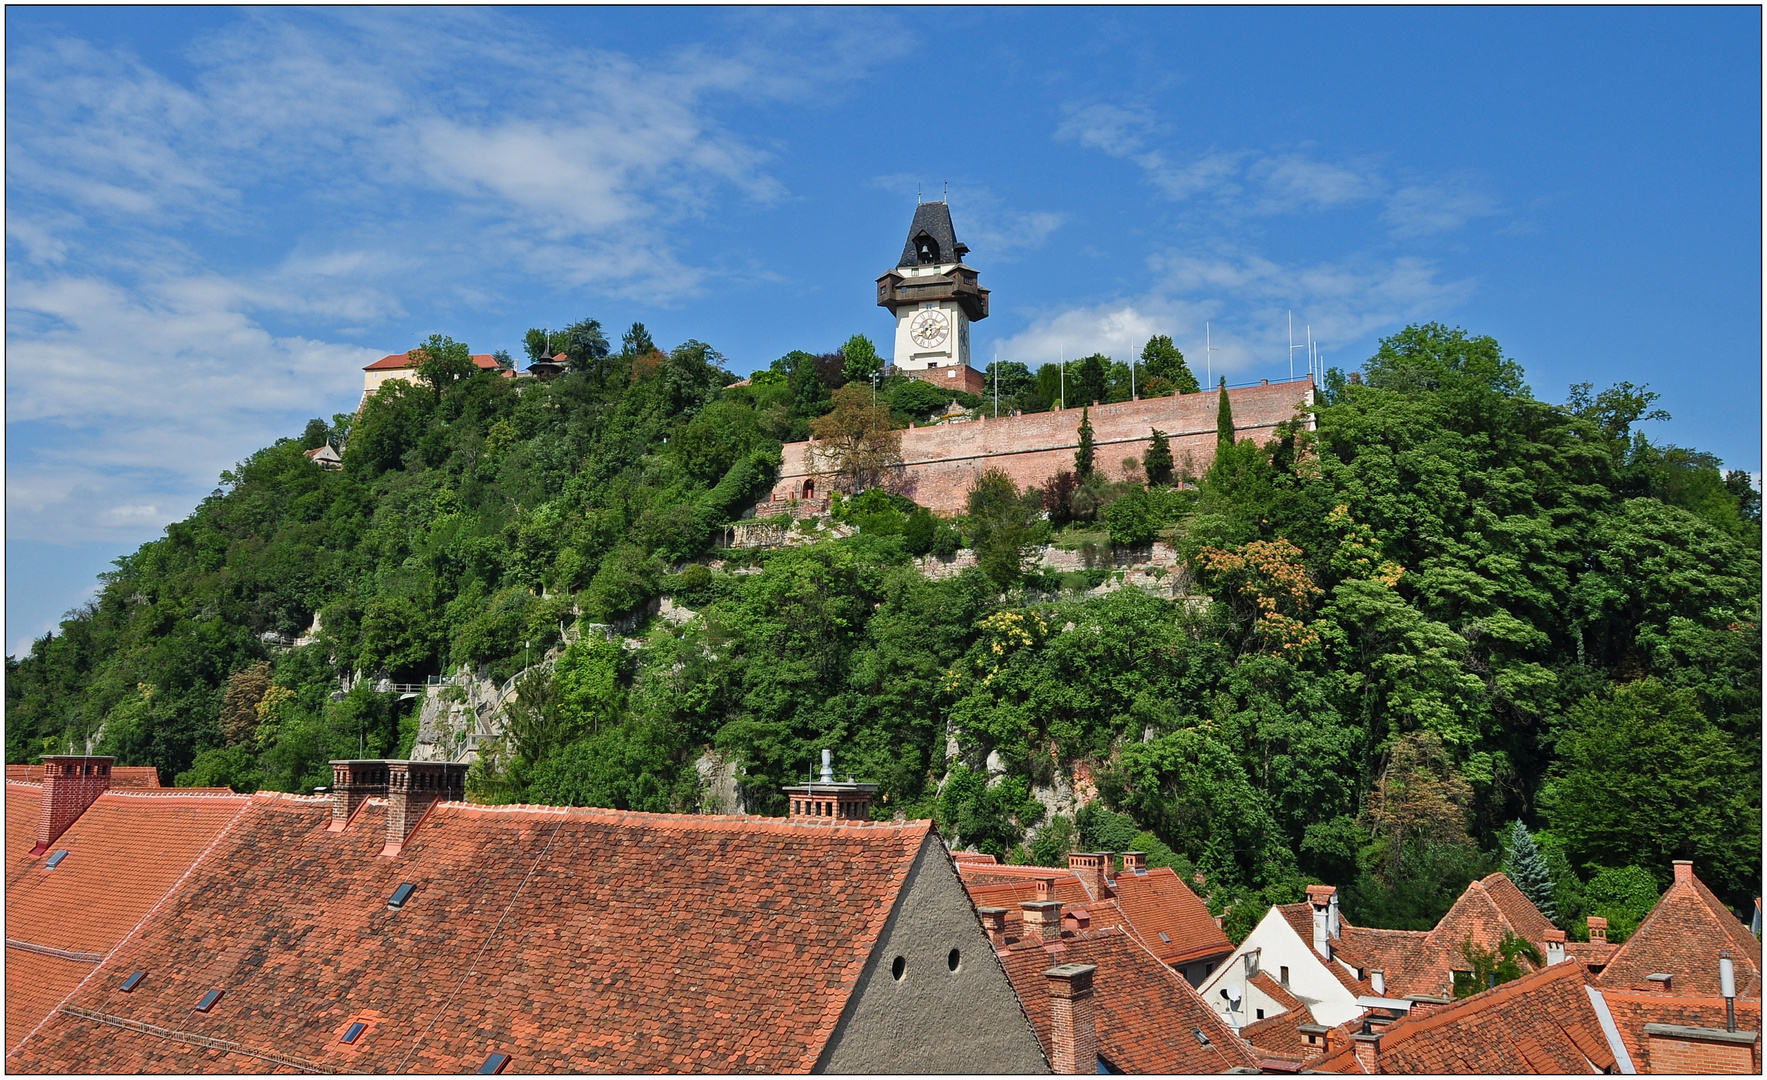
(1159, 902)
(1631, 1011)
(1300, 919)
(399, 361)
(24, 808)
(125, 853)
(1145, 1010)
(1278, 993)
(1540, 1023)
(695, 944)
(1279, 1035)
(1483, 913)
(1682, 936)
(1394, 952)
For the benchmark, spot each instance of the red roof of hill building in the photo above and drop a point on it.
(1146, 1013)
(1279, 1035)
(24, 806)
(121, 776)
(398, 361)
(124, 854)
(1631, 1011)
(1541, 1023)
(1392, 952)
(524, 922)
(1682, 937)
(1300, 919)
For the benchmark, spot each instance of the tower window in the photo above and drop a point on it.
(926, 249)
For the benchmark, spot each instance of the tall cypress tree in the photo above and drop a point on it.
(1224, 417)
(1083, 456)
(1526, 866)
(1157, 460)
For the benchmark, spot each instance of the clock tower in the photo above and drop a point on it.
(934, 297)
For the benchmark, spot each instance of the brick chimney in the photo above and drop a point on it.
(1134, 862)
(1555, 947)
(70, 784)
(1042, 919)
(1597, 930)
(1090, 867)
(412, 788)
(830, 799)
(1313, 1040)
(1367, 1051)
(354, 782)
(1424, 1004)
(994, 922)
(1073, 1035)
(1683, 869)
(1046, 888)
(1660, 983)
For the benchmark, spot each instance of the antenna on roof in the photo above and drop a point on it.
(917, 193)
(1209, 354)
(1292, 346)
(947, 191)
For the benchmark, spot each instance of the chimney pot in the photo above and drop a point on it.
(1073, 1021)
(1555, 947)
(1134, 862)
(412, 788)
(1597, 930)
(1090, 867)
(71, 783)
(1046, 888)
(1683, 871)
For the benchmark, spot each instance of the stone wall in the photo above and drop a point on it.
(940, 463)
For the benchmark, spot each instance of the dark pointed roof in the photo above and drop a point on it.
(934, 219)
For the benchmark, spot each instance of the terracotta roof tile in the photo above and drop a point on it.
(1631, 1011)
(1683, 935)
(1397, 953)
(1482, 914)
(24, 808)
(1300, 918)
(1159, 901)
(524, 920)
(1540, 1023)
(1279, 993)
(125, 853)
(399, 360)
(1145, 1010)
(1279, 1035)
(121, 776)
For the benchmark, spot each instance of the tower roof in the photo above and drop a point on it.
(933, 219)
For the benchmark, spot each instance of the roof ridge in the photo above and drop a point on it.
(1483, 1000)
(161, 793)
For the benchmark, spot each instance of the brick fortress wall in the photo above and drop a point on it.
(941, 462)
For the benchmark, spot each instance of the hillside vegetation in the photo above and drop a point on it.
(1451, 607)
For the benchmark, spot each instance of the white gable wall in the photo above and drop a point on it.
(1308, 978)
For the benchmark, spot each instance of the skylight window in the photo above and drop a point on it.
(55, 859)
(1164, 938)
(1200, 1037)
(400, 895)
(354, 1033)
(208, 1000)
(132, 981)
(494, 1064)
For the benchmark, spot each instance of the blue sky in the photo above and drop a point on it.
(215, 217)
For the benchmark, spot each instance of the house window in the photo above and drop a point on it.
(1284, 976)
(1260, 1014)
(1208, 969)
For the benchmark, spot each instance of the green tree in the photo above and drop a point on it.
(860, 360)
(585, 347)
(1224, 415)
(1156, 460)
(1643, 777)
(1487, 968)
(1003, 527)
(1083, 456)
(1526, 866)
(1164, 360)
(441, 361)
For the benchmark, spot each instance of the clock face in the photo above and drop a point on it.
(929, 329)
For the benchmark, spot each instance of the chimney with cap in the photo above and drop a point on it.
(1134, 862)
(1660, 982)
(1046, 888)
(1042, 918)
(994, 922)
(830, 800)
(1367, 1049)
(1597, 930)
(1090, 867)
(1312, 1040)
(354, 782)
(1727, 989)
(1683, 871)
(1073, 1032)
(1555, 947)
(412, 788)
(1378, 980)
(71, 783)
(1424, 1004)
